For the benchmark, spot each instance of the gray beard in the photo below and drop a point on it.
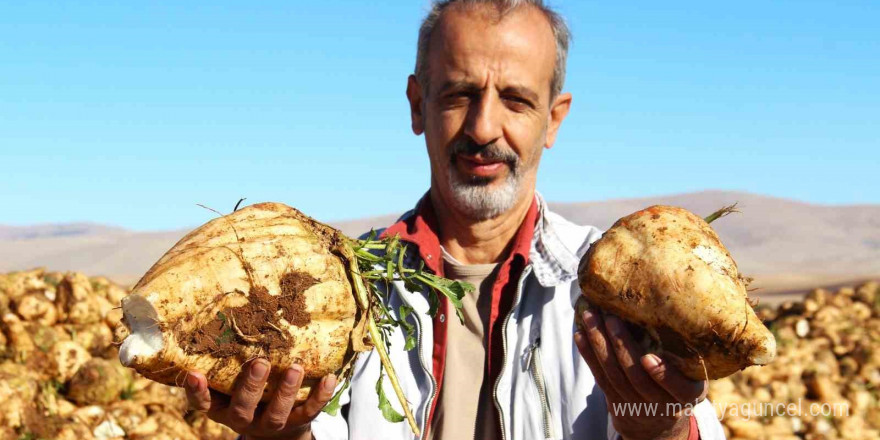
(477, 199)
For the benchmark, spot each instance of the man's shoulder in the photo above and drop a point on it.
(565, 224)
(558, 246)
(574, 236)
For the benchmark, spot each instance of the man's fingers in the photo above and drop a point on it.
(197, 395)
(219, 403)
(248, 391)
(684, 390)
(598, 373)
(628, 354)
(275, 416)
(318, 398)
(200, 398)
(598, 340)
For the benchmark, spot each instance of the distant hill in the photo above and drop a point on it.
(55, 230)
(785, 244)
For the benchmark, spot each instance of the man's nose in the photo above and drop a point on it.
(483, 123)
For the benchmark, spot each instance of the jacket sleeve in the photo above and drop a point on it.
(707, 421)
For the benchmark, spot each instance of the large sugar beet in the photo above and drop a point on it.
(268, 281)
(265, 281)
(665, 270)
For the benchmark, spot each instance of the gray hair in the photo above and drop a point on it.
(560, 32)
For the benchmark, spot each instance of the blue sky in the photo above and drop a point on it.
(130, 114)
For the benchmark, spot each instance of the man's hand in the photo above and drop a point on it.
(243, 412)
(634, 382)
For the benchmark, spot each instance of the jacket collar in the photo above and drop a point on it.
(553, 262)
(542, 247)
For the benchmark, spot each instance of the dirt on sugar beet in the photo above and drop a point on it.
(258, 323)
(291, 301)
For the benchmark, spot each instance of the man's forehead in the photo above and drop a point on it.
(471, 42)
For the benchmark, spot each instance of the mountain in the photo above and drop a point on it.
(784, 244)
(54, 230)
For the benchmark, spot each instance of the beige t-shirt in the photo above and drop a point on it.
(465, 409)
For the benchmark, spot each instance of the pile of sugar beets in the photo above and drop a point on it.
(825, 382)
(60, 377)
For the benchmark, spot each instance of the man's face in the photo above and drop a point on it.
(486, 110)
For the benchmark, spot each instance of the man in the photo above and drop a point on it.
(486, 94)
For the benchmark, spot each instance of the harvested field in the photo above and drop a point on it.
(60, 376)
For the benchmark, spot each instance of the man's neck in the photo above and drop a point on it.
(478, 242)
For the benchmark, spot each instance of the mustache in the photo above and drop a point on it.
(491, 152)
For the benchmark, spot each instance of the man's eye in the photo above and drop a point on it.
(457, 98)
(518, 101)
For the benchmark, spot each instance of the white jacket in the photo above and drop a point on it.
(545, 391)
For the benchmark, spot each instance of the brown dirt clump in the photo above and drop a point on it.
(292, 302)
(216, 337)
(256, 323)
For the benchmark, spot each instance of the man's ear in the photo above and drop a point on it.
(558, 112)
(414, 95)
